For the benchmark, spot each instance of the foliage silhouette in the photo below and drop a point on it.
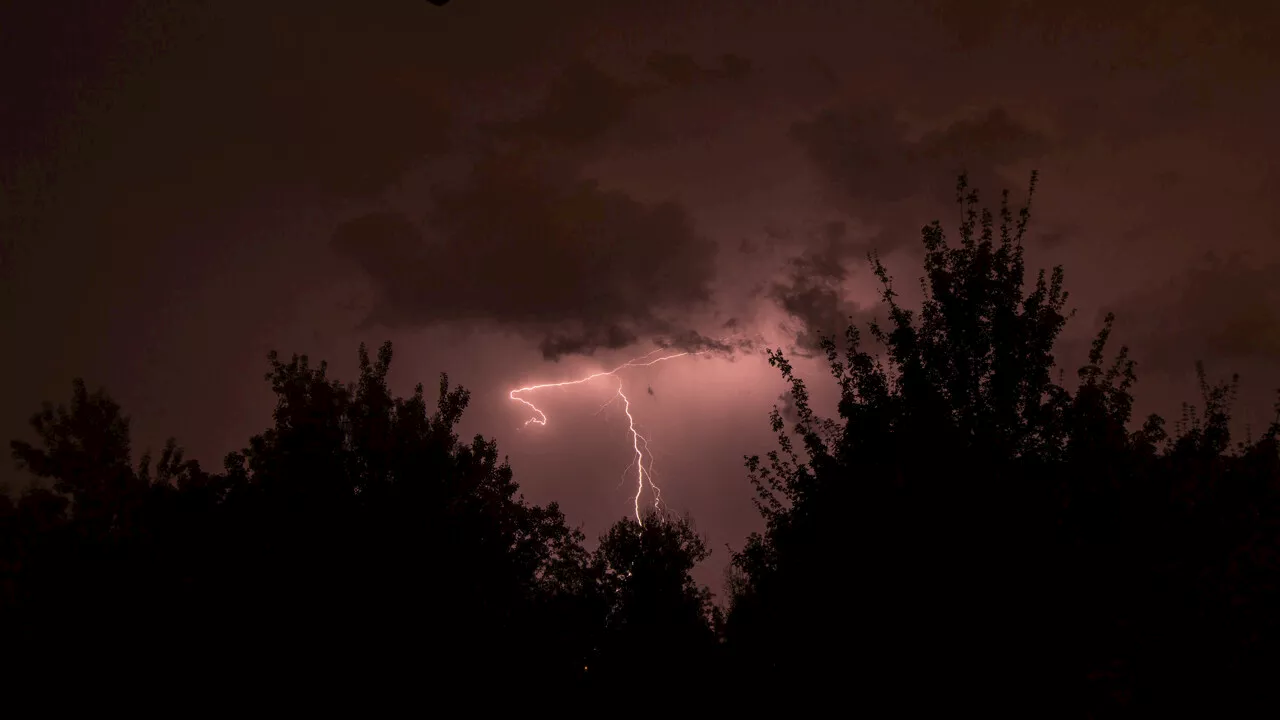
(972, 527)
(358, 523)
(658, 620)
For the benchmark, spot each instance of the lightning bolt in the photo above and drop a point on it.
(636, 439)
(639, 444)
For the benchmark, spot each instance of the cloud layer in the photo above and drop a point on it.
(545, 253)
(894, 180)
(1225, 311)
(527, 241)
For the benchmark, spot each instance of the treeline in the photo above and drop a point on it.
(356, 537)
(968, 533)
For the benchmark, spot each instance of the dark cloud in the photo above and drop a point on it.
(526, 241)
(586, 341)
(1053, 238)
(733, 67)
(344, 135)
(812, 293)
(820, 308)
(581, 106)
(869, 157)
(682, 69)
(587, 108)
(862, 152)
(822, 69)
(528, 245)
(1146, 32)
(894, 182)
(675, 68)
(694, 341)
(1222, 309)
(992, 138)
(214, 100)
(786, 405)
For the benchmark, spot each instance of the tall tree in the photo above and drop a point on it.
(970, 525)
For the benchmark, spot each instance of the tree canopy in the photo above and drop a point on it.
(971, 525)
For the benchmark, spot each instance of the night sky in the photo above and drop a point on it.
(524, 191)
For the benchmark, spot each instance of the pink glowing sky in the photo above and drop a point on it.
(187, 188)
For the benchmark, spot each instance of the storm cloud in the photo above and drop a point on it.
(1225, 311)
(544, 253)
(527, 241)
(881, 172)
(811, 292)
(893, 179)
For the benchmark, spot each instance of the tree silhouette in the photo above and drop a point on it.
(86, 453)
(973, 527)
(658, 619)
(357, 520)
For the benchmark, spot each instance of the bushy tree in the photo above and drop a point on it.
(658, 618)
(357, 528)
(85, 451)
(971, 526)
